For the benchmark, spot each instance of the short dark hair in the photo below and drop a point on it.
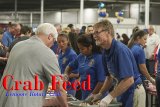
(70, 25)
(25, 29)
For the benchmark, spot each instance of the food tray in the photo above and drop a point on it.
(77, 104)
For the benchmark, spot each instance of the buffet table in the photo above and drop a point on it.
(72, 102)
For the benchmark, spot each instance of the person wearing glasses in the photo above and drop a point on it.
(119, 64)
(9, 35)
(88, 62)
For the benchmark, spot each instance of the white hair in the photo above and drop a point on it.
(46, 28)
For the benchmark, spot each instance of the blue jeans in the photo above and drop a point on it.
(158, 87)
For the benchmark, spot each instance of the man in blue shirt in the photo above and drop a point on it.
(119, 64)
(8, 36)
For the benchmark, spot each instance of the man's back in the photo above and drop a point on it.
(27, 59)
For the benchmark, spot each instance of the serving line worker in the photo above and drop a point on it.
(66, 55)
(27, 59)
(136, 44)
(118, 63)
(88, 62)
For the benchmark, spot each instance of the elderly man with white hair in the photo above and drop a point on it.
(153, 41)
(28, 71)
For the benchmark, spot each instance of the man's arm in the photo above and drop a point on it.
(104, 88)
(106, 84)
(51, 67)
(73, 75)
(62, 98)
(122, 86)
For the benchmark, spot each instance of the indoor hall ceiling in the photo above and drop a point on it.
(34, 5)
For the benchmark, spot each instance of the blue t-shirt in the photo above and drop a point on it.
(7, 39)
(139, 56)
(119, 62)
(89, 65)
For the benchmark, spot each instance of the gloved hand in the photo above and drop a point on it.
(97, 97)
(106, 101)
(89, 98)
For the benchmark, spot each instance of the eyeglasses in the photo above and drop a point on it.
(96, 33)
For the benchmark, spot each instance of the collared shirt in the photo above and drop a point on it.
(28, 58)
(119, 62)
(65, 58)
(152, 41)
(89, 65)
(7, 39)
(139, 55)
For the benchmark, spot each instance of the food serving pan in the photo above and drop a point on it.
(77, 104)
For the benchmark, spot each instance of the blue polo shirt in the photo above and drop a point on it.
(119, 62)
(7, 38)
(139, 55)
(89, 65)
(65, 58)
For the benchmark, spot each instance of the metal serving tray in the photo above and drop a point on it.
(77, 104)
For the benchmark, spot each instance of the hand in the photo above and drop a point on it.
(49, 90)
(65, 77)
(106, 101)
(97, 97)
(152, 57)
(89, 98)
(152, 81)
(3, 58)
